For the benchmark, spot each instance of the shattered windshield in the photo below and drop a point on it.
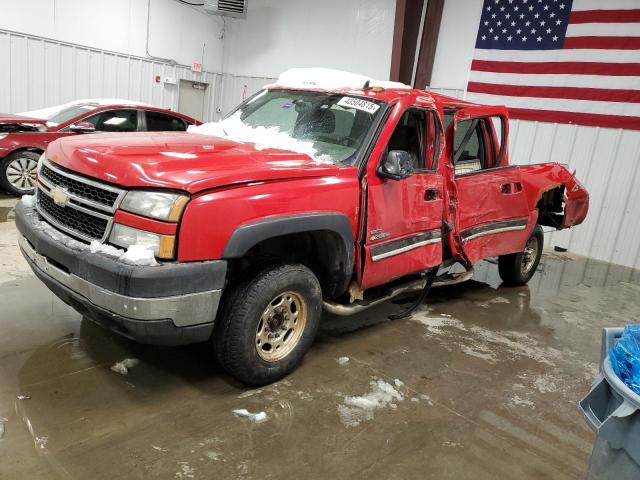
(329, 127)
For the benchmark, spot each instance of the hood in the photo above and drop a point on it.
(178, 160)
(10, 119)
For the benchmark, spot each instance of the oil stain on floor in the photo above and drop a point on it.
(482, 383)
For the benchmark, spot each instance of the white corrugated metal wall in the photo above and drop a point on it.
(606, 162)
(41, 72)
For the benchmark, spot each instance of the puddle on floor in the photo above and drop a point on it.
(7, 213)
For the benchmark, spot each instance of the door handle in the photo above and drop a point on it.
(431, 194)
(509, 188)
(505, 188)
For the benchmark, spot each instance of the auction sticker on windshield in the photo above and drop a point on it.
(359, 104)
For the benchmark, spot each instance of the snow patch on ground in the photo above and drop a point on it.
(357, 409)
(342, 360)
(235, 129)
(215, 456)
(494, 300)
(545, 384)
(488, 344)
(249, 393)
(517, 401)
(185, 471)
(123, 366)
(480, 353)
(254, 417)
(435, 325)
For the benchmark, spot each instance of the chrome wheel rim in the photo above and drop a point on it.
(529, 256)
(281, 326)
(21, 173)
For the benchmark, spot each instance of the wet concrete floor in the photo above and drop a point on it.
(481, 384)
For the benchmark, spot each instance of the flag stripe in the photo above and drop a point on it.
(604, 30)
(584, 81)
(588, 119)
(587, 55)
(582, 5)
(575, 93)
(575, 68)
(561, 104)
(605, 16)
(606, 43)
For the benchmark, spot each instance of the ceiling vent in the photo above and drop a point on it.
(227, 8)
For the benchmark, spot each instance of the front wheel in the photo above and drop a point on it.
(267, 323)
(18, 172)
(517, 268)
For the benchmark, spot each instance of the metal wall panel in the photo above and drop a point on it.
(38, 72)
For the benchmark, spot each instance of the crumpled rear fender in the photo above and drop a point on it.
(541, 178)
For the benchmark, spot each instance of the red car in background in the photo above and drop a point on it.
(24, 138)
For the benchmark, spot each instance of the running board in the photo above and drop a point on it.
(414, 286)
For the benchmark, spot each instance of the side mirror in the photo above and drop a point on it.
(82, 127)
(397, 165)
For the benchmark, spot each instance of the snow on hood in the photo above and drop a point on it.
(329, 79)
(235, 129)
(45, 113)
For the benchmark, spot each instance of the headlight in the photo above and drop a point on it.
(124, 236)
(158, 205)
(3, 135)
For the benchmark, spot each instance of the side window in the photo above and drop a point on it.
(468, 147)
(477, 144)
(161, 122)
(114, 121)
(409, 136)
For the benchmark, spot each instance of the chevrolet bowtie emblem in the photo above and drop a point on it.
(60, 196)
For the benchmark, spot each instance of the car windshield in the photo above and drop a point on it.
(68, 113)
(334, 126)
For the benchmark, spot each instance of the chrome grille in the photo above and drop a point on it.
(79, 206)
(92, 227)
(81, 189)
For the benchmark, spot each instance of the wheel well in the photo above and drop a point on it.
(322, 251)
(551, 207)
(25, 149)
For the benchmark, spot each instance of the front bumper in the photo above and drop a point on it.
(171, 304)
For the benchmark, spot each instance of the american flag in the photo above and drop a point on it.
(560, 61)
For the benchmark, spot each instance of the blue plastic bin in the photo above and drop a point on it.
(612, 411)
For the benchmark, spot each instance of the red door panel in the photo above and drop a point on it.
(403, 227)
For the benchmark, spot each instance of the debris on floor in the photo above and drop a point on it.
(2, 422)
(343, 360)
(41, 442)
(254, 417)
(186, 471)
(24, 397)
(123, 367)
(357, 409)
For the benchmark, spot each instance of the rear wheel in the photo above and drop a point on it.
(18, 172)
(518, 268)
(267, 323)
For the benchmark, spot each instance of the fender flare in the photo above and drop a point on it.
(248, 235)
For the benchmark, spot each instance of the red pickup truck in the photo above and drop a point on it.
(253, 241)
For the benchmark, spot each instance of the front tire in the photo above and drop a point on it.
(18, 172)
(517, 269)
(267, 323)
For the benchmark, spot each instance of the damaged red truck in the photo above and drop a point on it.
(253, 243)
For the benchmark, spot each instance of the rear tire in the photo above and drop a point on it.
(18, 172)
(517, 269)
(267, 323)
